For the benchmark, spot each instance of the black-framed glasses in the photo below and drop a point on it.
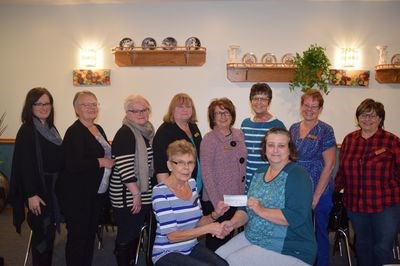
(136, 112)
(38, 104)
(183, 163)
(223, 113)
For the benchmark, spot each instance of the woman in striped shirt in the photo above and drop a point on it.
(131, 181)
(179, 215)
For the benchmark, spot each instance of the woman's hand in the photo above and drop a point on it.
(34, 205)
(137, 204)
(216, 230)
(105, 162)
(255, 205)
(220, 209)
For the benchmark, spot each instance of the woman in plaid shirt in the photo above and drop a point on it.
(369, 173)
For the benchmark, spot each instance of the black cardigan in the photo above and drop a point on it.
(165, 135)
(79, 182)
(25, 177)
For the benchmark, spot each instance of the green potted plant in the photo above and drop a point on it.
(312, 70)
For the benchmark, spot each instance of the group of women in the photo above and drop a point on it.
(182, 178)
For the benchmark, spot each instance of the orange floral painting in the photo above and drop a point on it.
(88, 77)
(343, 77)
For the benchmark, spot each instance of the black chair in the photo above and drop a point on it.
(339, 224)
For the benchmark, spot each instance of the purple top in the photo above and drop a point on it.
(223, 164)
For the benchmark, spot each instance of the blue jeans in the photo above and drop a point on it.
(375, 234)
(200, 256)
(321, 212)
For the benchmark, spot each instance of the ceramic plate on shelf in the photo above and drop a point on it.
(288, 59)
(192, 43)
(126, 44)
(149, 44)
(169, 43)
(249, 59)
(396, 60)
(268, 59)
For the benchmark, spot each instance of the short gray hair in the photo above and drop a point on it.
(136, 98)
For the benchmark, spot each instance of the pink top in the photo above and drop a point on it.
(223, 164)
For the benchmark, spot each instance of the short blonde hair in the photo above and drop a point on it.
(81, 93)
(178, 99)
(180, 147)
(136, 98)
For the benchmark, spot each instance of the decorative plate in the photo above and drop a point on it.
(126, 44)
(268, 59)
(169, 43)
(249, 59)
(396, 60)
(192, 43)
(149, 44)
(288, 59)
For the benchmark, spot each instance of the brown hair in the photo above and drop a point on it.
(314, 95)
(282, 131)
(369, 105)
(261, 88)
(178, 99)
(180, 147)
(223, 103)
(31, 97)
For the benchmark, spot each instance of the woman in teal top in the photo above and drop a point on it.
(279, 228)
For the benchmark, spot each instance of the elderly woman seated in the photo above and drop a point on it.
(179, 215)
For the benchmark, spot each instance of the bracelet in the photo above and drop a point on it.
(137, 194)
(213, 217)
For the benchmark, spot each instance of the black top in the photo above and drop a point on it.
(25, 178)
(80, 180)
(165, 135)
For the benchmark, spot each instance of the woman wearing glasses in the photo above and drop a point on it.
(180, 220)
(254, 128)
(83, 184)
(179, 123)
(223, 162)
(316, 146)
(37, 161)
(131, 181)
(369, 169)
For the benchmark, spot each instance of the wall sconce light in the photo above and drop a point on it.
(349, 57)
(88, 58)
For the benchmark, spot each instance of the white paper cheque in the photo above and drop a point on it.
(235, 200)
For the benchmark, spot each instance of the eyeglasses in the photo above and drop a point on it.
(136, 112)
(224, 113)
(260, 99)
(183, 163)
(90, 105)
(311, 107)
(42, 104)
(368, 116)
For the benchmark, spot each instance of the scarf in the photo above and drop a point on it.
(51, 134)
(142, 169)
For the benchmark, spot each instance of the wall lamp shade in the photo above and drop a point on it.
(88, 58)
(349, 57)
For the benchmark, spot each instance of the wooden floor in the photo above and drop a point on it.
(13, 246)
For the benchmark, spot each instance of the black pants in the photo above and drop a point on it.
(82, 232)
(129, 224)
(214, 243)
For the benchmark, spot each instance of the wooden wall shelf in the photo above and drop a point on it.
(259, 72)
(159, 57)
(387, 73)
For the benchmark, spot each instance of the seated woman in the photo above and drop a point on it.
(178, 211)
(279, 228)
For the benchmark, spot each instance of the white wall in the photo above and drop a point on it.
(40, 45)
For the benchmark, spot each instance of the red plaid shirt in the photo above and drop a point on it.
(369, 171)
